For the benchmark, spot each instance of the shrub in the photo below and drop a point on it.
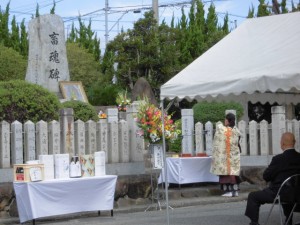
(9, 58)
(82, 111)
(103, 94)
(215, 111)
(23, 101)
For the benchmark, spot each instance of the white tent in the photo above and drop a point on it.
(259, 58)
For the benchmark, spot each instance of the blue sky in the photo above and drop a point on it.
(121, 13)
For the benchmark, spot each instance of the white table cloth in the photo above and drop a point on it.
(64, 196)
(188, 170)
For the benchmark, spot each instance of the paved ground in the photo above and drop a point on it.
(196, 208)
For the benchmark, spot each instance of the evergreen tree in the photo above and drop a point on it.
(15, 37)
(72, 36)
(225, 27)
(4, 31)
(24, 40)
(37, 13)
(251, 12)
(283, 7)
(52, 11)
(262, 9)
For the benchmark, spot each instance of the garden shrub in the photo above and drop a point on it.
(23, 101)
(82, 110)
(215, 111)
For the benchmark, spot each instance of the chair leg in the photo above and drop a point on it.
(270, 212)
(291, 213)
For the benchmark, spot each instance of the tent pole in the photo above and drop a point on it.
(165, 161)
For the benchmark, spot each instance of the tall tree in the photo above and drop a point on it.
(4, 30)
(24, 40)
(37, 11)
(52, 10)
(251, 12)
(262, 9)
(15, 36)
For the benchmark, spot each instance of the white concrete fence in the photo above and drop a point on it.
(25, 142)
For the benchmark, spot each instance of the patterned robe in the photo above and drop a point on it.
(226, 152)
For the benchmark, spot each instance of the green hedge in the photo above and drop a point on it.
(23, 101)
(215, 111)
(82, 111)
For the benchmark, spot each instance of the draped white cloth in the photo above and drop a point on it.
(188, 170)
(64, 196)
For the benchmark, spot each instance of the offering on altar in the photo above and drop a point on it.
(75, 167)
(48, 161)
(61, 165)
(100, 163)
(28, 172)
(87, 163)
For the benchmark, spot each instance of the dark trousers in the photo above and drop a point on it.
(258, 198)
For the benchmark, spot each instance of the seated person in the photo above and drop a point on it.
(281, 167)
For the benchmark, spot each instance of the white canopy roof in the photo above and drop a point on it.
(261, 56)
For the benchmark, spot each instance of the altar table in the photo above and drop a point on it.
(64, 196)
(187, 170)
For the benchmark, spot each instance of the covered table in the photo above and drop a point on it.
(188, 170)
(64, 196)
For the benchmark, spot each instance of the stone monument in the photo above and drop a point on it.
(47, 59)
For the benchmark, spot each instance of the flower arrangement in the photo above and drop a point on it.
(123, 101)
(149, 119)
(102, 115)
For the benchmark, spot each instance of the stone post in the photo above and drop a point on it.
(187, 118)
(91, 143)
(243, 141)
(102, 137)
(4, 144)
(79, 127)
(137, 145)
(253, 138)
(199, 138)
(209, 137)
(17, 142)
(29, 141)
(123, 142)
(54, 137)
(41, 138)
(113, 142)
(264, 138)
(278, 127)
(67, 131)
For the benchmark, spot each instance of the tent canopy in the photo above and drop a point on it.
(259, 58)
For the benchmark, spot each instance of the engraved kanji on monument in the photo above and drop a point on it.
(278, 127)
(137, 143)
(41, 138)
(4, 145)
(29, 141)
(199, 138)
(91, 143)
(102, 137)
(67, 131)
(54, 137)
(113, 142)
(47, 58)
(123, 142)
(187, 118)
(79, 127)
(17, 142)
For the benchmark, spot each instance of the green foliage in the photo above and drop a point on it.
(175, 146)
(9, 58)
(23, 101)
(103, 93)
(214, 111)
(82, 65)
(82, 110)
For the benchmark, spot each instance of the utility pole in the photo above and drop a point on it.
(155, 10)
(106, 21)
